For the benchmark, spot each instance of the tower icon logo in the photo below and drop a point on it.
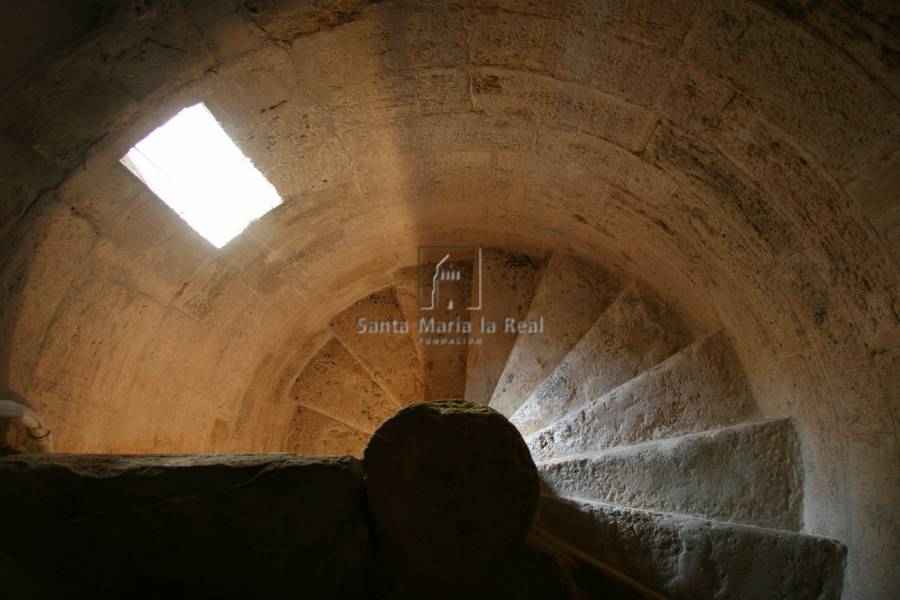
(449, 278)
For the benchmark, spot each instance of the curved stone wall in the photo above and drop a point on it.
(739, 156)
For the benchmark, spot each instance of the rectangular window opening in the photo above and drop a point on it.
(196, 169)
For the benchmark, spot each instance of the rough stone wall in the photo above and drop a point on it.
(223, 526)
(279, 525)
(740, 155)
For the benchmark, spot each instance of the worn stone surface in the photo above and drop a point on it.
(38, 29)
(316, 434)
(687, 558)
(510, 281)
(452, 493)
(443, 333)
(743, 474)
(406, 294)
(445, 366)
(153, 45)
(701, 387)
(808, 95)
(531, 570)
(205, 526)
(334, 384)
(570, 296)
(386, 352)
(23, 176)
(633, 334)
(597, 578)
(417, 496)
(579, 107)
(185, 524)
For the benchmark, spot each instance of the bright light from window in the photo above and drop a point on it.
(195, 168)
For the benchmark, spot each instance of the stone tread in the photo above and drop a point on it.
(390, 357)
(570, 295)
(690, 558)
(701, 387)
(510, 282)
(743, 474)
(444, 366)
(635, 333)
(334, 384)
(315, 434)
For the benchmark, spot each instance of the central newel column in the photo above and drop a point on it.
(453, 491)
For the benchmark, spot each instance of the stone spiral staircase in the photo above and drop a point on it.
(653, 455)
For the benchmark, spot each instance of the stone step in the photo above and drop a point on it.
(444, 366)
(598, 579)
(406, 294)
(635, 333)
(570, 296)
(376, 332)
(510, 281)
(699, 388)
(743, 474)
(688, 558)
(338, 404)
(312, 433)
